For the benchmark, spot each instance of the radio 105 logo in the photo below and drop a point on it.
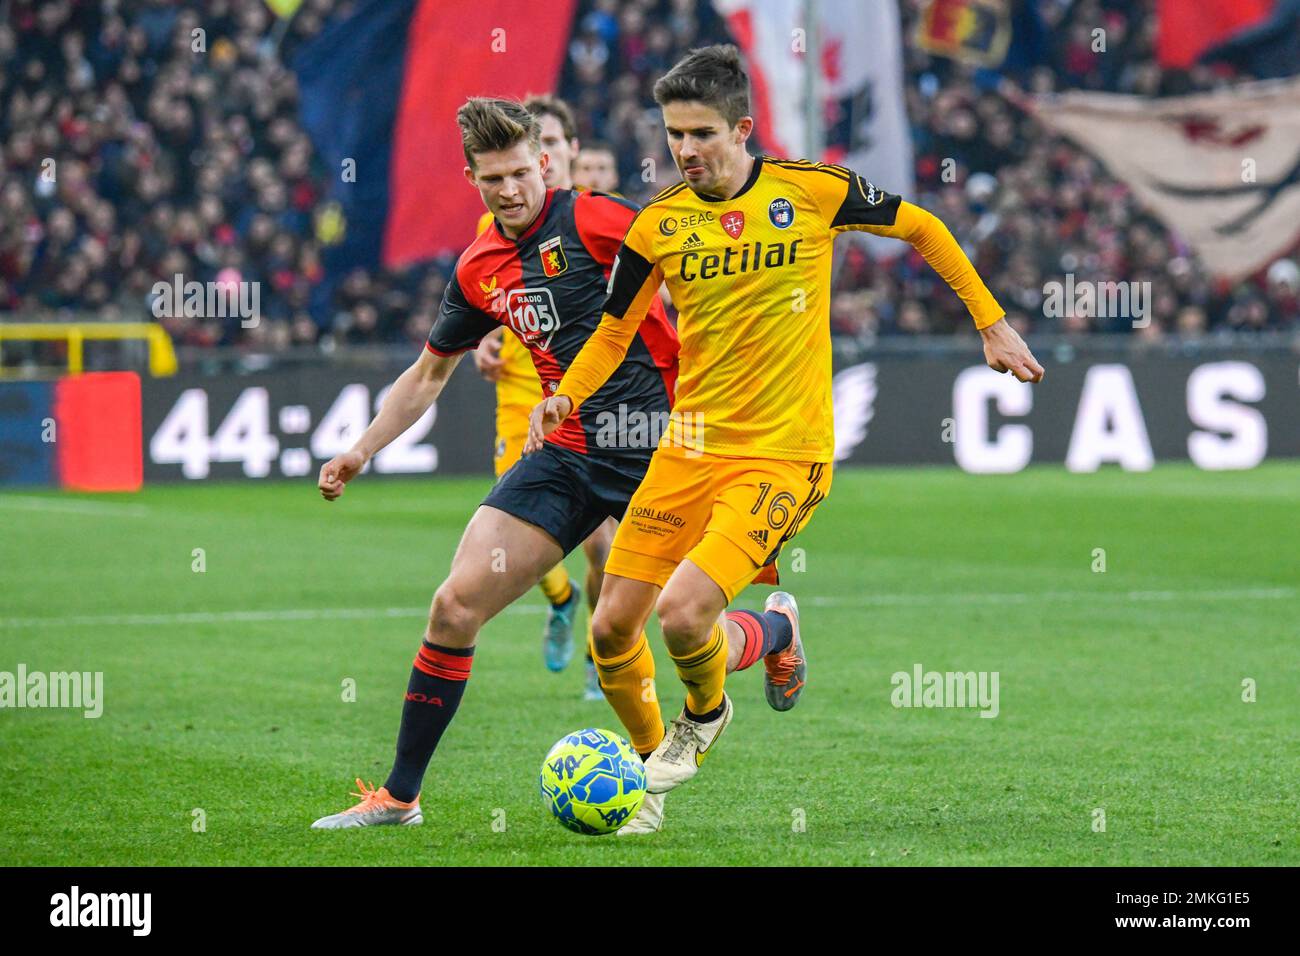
(533, 315)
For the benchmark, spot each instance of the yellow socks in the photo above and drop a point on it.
(704, 671)
(628, 681)
(555, 584)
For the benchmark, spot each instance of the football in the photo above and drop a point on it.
(592, 781)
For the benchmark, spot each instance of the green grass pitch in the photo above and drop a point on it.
(1120, 692)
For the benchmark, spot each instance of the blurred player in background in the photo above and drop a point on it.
(744, 245)
(502, 359)
(596, 168)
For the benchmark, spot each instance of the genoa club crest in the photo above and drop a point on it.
(734, 223)
(553, 261)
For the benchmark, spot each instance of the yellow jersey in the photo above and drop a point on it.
(518, 388)
(750, 277)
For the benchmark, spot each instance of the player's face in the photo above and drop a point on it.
(561, 151)
(706, 149)
(595, 169)
(512, 184)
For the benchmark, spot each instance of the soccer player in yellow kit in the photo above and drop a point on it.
(503, 360)
(744, 245)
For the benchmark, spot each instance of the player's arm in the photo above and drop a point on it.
(458, 328)
(410, 397)
(633, 286)
(864, 207)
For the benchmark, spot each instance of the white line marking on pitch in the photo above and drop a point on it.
(364, 613)
(237, 617)
(73, 507)
(1238, 594)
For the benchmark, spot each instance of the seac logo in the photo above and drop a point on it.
(734, 223)
(532, 314)
(669, 225)
(781, 212)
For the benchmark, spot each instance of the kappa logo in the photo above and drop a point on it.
(693, 241)
(759, 537)
(870, 193)
(424, 699)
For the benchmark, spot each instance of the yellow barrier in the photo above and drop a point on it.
(162, 357)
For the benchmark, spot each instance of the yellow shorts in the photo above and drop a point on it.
(512, 432)
(730, 516)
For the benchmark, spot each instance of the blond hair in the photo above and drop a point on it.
(488, 124)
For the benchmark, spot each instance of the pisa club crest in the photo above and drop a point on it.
(781, 212)
(553, 261)
(734, 223)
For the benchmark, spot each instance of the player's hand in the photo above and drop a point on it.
(544, 419)
(1006, 351)
(337, 472)
(487, 358)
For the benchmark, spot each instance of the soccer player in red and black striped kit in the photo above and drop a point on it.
(541, 271)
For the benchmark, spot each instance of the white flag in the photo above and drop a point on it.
(1221, 169)
(860, 60)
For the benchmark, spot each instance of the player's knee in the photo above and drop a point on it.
(685, 622)
(611, 637)
(452, 619)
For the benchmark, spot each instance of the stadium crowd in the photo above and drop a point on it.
(126, 159)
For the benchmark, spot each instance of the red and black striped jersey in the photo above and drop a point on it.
(548, 288)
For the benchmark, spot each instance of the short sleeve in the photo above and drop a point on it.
(602, 222)
(459, 326)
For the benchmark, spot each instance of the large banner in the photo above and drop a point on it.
(378, 92)
(1221, 169)
(1187, 28)
(1225, 409)
(287, 424)
(1222, 411)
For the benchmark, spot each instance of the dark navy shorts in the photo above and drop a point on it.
(566, 494)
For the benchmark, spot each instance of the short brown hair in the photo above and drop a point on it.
(712, 75)
(544, 104)
(488, 124)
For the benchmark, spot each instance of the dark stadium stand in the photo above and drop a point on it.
(168, 163)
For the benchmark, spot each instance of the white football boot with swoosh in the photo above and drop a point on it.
(683, 749)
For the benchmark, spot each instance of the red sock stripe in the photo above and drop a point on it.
(753, 637)
(438, 663)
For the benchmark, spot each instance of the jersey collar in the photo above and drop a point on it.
(537, 223)
(749, 183)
